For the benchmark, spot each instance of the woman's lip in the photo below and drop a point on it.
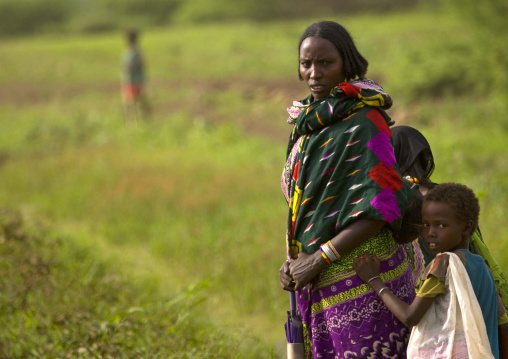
(316, 87)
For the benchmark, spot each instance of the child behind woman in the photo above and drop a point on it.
(457, 312)
(416, 162)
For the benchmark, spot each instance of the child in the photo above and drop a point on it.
(457, 312)
(416, 163)
(133, 79)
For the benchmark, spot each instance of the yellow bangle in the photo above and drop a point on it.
(325, 257)
(333, 249)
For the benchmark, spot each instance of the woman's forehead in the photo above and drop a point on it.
(314, 46)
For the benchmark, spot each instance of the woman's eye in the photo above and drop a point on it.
(425, 225)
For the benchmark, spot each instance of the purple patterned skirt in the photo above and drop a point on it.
(344, 318)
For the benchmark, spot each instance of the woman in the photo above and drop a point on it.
(416, 162)
(414, 156)
(345, 197)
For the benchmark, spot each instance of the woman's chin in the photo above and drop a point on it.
(318, 95)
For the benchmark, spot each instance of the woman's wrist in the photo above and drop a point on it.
(319, 261)
(329, 253)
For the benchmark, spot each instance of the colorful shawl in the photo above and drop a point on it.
(340, 165)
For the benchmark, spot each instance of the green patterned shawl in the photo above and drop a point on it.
(341, 166)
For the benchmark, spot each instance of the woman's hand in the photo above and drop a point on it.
(366, 267)
(305, 267)
(285, 279)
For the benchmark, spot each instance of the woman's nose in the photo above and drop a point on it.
(314, 72)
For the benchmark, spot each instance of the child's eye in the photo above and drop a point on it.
(442, 225)
(425, 225)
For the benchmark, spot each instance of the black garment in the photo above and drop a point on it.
(412, 152)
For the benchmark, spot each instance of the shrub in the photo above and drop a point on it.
(29, 16)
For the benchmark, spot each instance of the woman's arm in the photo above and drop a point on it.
(367, 268)
(307, 266)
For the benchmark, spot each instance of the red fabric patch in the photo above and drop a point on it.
(296, 170)
(386, 177)
(378, 120)
(435, 264)
(131, 92)
(349, 89)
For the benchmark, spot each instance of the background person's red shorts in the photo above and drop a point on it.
(131, 92)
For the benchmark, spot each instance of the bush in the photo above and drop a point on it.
(29, 16)
(19, 17)
(487, 22)
(156, 11)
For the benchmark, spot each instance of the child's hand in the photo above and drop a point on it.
(366, 267)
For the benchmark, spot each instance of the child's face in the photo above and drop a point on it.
(442, 230)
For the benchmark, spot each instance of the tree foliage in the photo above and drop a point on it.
(489, 55)
(29, 16)
(490, 15)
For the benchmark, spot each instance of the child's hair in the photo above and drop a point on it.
(459, 197)
(131, 35)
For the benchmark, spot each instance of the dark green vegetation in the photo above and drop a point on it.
(165, 240)
(93, 16)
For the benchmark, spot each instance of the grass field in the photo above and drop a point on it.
(165, 239)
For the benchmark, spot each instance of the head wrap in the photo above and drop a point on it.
(413, 153)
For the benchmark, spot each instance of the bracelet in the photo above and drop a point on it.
(325, 257)
(371, 279)
(333, 249)
(329, 253)
(381, 291)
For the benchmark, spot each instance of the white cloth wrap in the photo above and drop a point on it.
(453, 326)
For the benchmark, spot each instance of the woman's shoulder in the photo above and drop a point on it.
(360, 120)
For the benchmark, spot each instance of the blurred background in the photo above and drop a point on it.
(162, 237)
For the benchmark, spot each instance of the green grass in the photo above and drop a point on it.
(63, 299)
(156, 232)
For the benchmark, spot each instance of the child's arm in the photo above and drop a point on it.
(368, 269)
(503, 341)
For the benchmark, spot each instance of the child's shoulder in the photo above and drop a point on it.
(438, 267)
(475, 261)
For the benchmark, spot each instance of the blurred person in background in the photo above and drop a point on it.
(133, 80)
(416, 163)
(346, 197)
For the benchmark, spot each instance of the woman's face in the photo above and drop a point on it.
(321, 66)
